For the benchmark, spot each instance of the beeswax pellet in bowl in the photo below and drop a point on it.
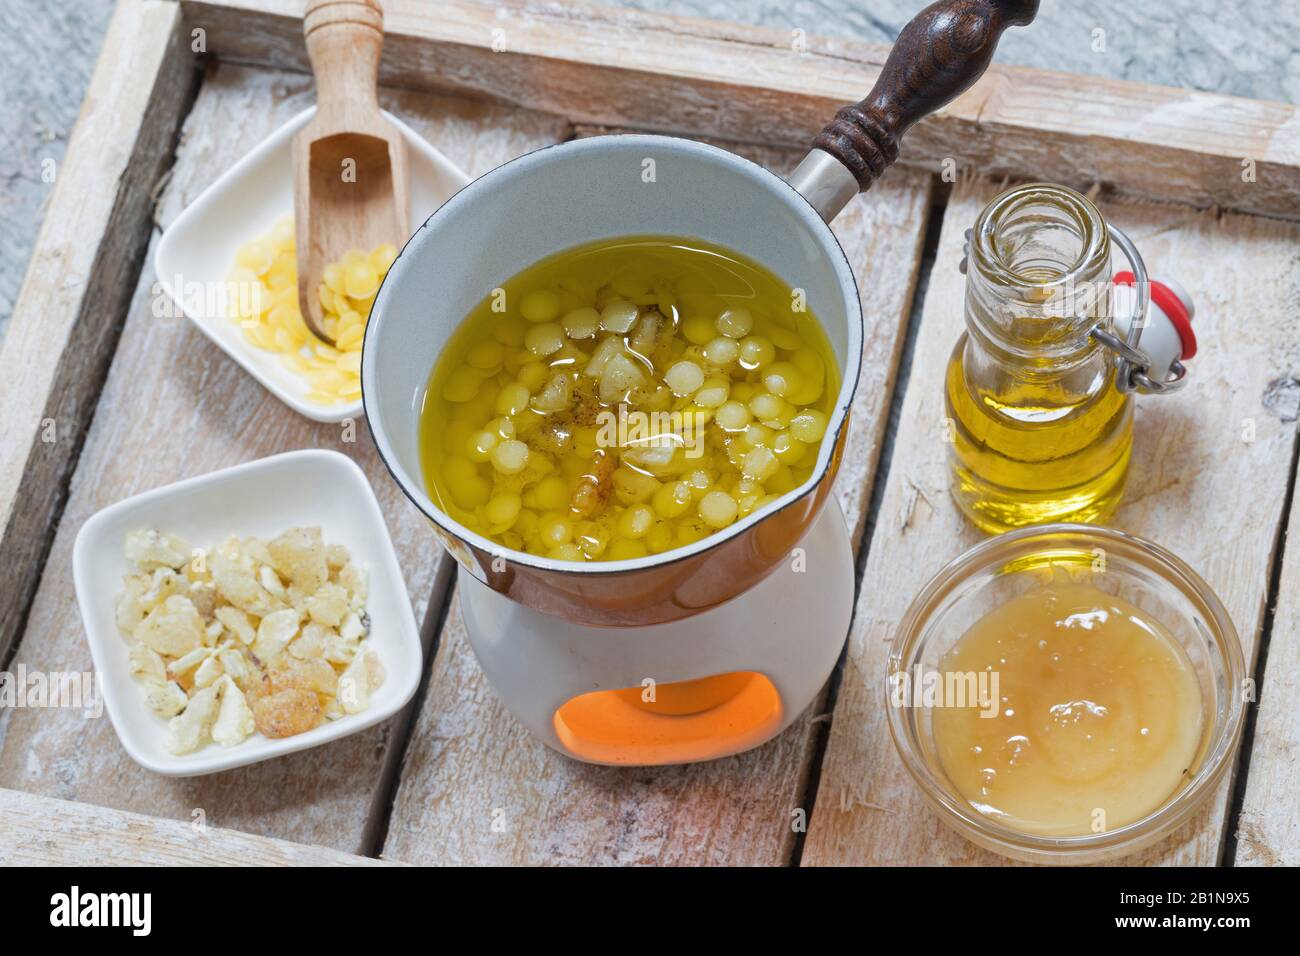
(262, 296)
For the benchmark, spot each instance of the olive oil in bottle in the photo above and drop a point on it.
(1039, 431)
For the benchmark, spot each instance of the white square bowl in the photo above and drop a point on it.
(197, 251)
(262, 498)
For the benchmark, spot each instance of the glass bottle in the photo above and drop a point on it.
(1039, 430)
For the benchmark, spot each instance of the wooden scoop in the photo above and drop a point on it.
(349, 162)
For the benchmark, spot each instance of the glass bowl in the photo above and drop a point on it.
(1002, 568)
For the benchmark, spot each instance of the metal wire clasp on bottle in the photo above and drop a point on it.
(1133, 364)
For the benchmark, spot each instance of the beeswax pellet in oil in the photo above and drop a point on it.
(729, 378)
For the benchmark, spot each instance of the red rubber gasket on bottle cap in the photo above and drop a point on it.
(1173, 307)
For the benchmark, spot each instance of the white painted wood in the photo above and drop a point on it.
(604, 65)
(40, 831)
(1268, 829)
(173, 406)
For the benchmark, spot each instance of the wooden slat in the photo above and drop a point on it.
(619, 67)
(470, 764)
(175, 406)
(41, 831)
(74, 297)
(1268, 829)
(1195, 487)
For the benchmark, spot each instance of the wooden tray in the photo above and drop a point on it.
(102, 395)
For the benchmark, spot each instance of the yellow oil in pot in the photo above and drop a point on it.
(1039, 431)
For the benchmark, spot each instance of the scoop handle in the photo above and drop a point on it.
(939, 54)
(345, 39)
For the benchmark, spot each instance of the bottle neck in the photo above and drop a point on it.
(1037, 282)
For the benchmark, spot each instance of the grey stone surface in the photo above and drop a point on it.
(48, 50)
(47, 53)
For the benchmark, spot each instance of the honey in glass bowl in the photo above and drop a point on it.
(1097, 719)
(624, 398)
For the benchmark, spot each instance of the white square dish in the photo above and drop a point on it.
(263, 498)
(197, 251)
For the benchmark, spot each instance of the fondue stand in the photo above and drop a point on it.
(737, 674)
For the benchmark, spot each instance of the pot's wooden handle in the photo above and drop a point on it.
(939, 54)
(344, 41)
